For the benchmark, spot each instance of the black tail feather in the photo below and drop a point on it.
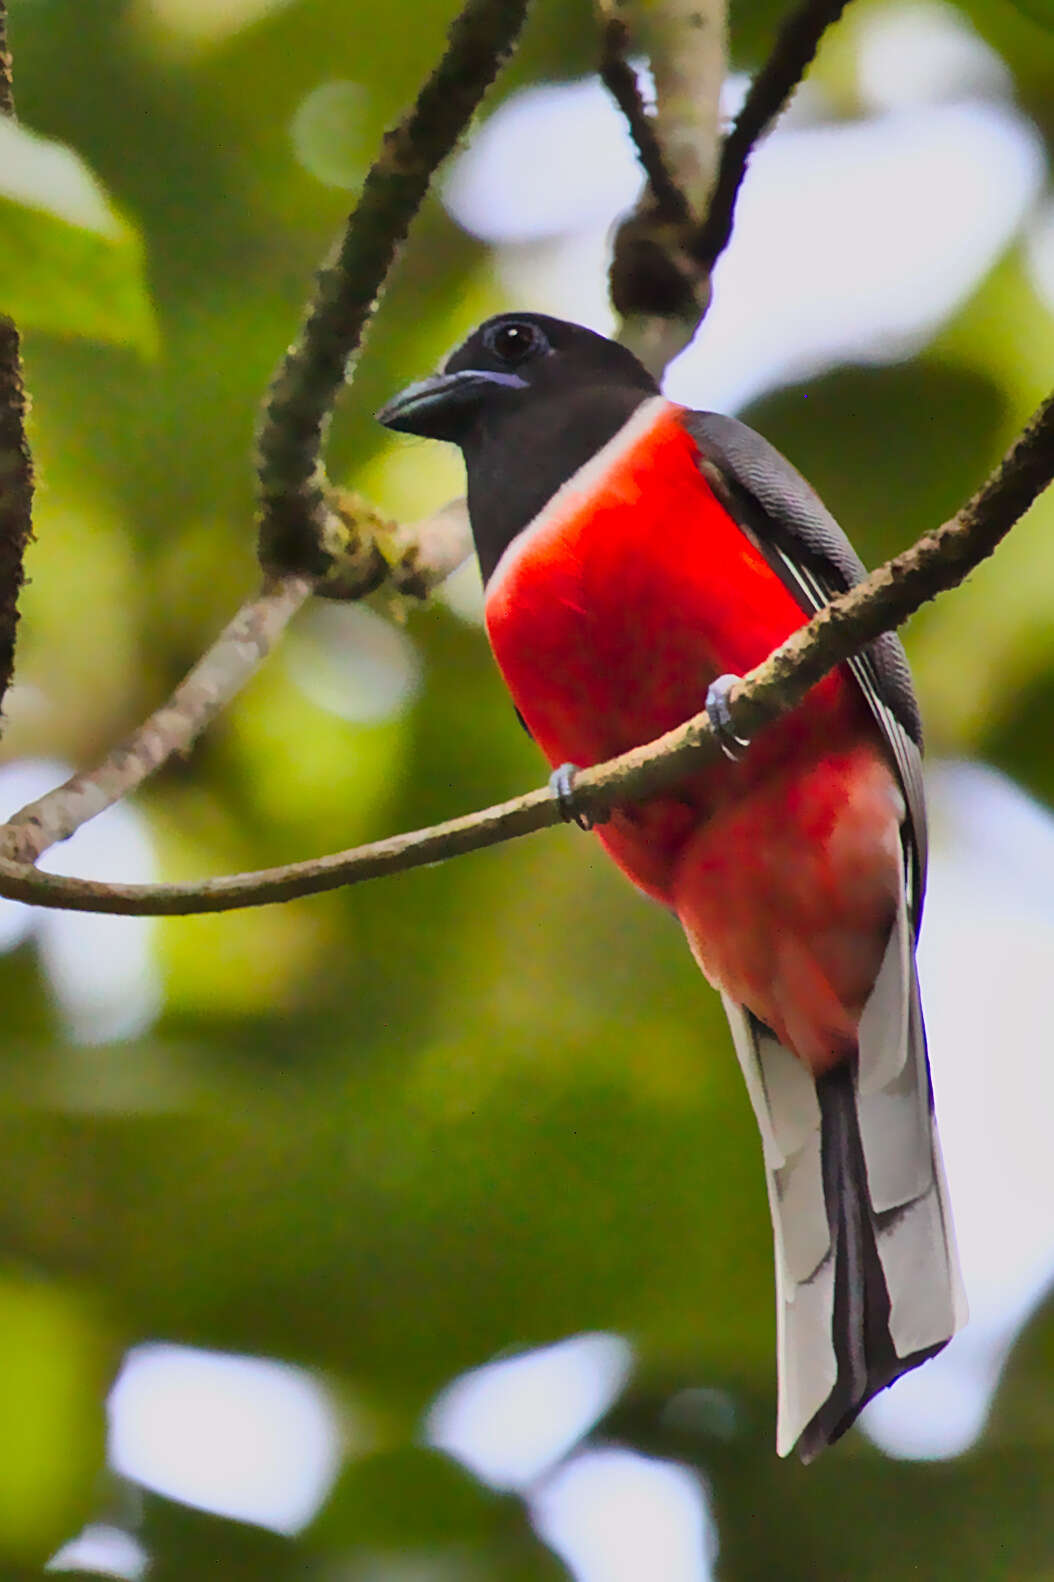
(866, 1356)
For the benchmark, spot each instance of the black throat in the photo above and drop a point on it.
(517, 458)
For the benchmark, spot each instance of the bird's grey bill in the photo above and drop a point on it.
(441, 392)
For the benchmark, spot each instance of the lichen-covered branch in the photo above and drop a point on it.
(16, 465)
(421, 555)
(298, 528)
(884, 600)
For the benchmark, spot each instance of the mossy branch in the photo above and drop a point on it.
(299, 529)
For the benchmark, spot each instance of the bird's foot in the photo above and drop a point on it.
(731, 745)
(561, 784)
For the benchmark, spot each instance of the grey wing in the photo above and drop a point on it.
(811, 555)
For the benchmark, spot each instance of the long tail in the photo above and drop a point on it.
(867, 1275)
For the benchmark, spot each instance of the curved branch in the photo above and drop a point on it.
(885, 599)
(297, 523)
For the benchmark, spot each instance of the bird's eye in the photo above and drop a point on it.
(514, 343)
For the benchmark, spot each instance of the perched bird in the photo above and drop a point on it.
(637, 556)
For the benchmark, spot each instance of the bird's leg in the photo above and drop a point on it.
(561, 784)
(731, 745)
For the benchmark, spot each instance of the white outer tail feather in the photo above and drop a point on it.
(905, 1186)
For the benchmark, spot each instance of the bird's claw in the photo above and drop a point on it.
(731, 745)
(561, 784)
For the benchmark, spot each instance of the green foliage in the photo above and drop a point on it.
(69, 264)
(390, 1134)
(1040, 11)
(55, 1363)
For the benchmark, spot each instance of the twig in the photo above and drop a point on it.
(685, 45)
(885, 599)
(297, 525)
(420, 555)
(656, 285)
(796, 45)
(16, 463)
(620, 80)
(16, 495)
(664, 253)
(7, 95)
(219, 674)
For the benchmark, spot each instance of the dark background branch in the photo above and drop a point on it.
(16, 464)
(664, 253)
(7, 96)
(795, 48)
(620, 80)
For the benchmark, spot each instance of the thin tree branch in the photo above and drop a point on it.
(419, 556)
(664, 253)
(620, 80)
(795, 48)
(885, 599)
(7, 95)
(219, 674)
(16, 495)
(298, 528)
(339, 545)
(685, 45)
(16, 463)
(656, 285)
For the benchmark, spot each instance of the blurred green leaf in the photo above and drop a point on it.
(984, 1516)
(980, 650)
(187, 1545)
(69, 264)
(408, 1499)
(56, 1360)
(1041, 11)
(414, 1514)
(1018, 741)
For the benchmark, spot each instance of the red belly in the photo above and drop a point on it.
(609, 619)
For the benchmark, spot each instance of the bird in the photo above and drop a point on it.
(637, 558)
